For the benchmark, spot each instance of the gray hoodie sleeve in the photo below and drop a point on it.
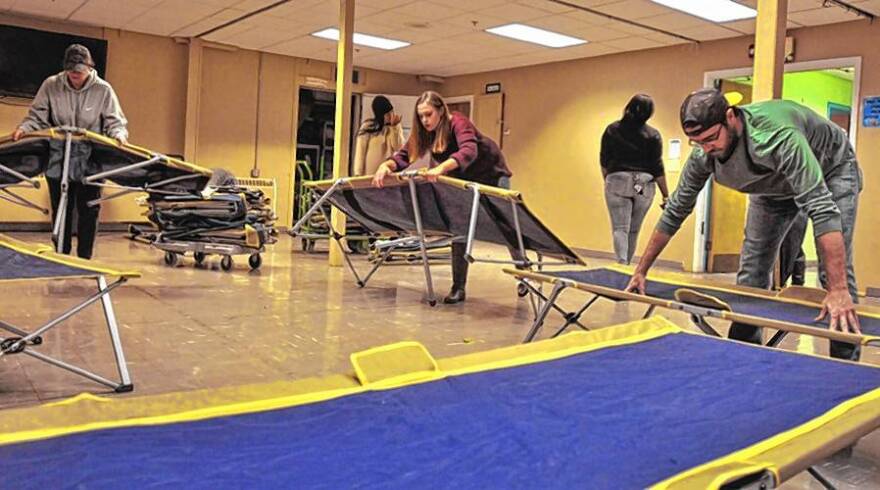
(39, 114)
(799, 166)
(115, 124)
(694, 176)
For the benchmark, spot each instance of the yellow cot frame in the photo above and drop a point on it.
(698, 306)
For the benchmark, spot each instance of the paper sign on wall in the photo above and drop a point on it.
(871, 112)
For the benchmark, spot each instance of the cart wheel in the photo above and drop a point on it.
(226, 262)
(200, 257)
(171, 259)
(255, 261)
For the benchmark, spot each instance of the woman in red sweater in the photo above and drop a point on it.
(457, 149)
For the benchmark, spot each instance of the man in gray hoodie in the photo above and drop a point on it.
(75, 97)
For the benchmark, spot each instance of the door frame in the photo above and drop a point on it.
(703, 211)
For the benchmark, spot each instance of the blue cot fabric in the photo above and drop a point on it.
(620, 417)
(740, 303)
(17, 265)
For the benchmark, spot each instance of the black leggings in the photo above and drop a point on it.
(459, 263)
(78, 196)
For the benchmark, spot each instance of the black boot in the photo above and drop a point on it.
(454, 296)
(459, 275)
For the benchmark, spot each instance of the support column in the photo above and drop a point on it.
(769, 66)
(193, 92)
(769, 49)
(342, 126)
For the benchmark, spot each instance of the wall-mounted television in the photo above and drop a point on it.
(29, 56)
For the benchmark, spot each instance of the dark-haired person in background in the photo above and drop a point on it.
(631, 156)
(789, 160)
(75, 97)
(378, 137)
(457, 149)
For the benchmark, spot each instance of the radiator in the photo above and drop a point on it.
(268, 186)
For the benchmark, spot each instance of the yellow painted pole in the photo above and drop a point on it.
(193, 90)
(342, 126)
(769, 49)
(769, 65)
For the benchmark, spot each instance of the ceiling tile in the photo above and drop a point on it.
(589, 18)
(872, 6)
(55, 9)
(547, 6)
(634, 9)
(376, 28)
(474, 5)
(426, 10)
(208, 23)
(474, 21)
(257, 38)
(383, 4)
(303, 46)
(673, 21)
(514, 12)
(109, 13)
(218, 4)
(708, 32)
(821, 16)
(163, 20)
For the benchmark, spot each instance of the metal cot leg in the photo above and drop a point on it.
(545, 310)
(112, 326)
(417, 213)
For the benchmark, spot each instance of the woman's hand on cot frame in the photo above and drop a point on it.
(388, 167)
(432, 174)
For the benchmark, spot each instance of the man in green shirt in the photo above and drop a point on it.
(788, 159)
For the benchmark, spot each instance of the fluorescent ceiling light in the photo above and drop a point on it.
(534, 35)
(713, 10)
(363, 39)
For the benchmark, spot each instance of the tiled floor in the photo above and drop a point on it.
(188, 328)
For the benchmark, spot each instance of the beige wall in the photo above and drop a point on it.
(245, 113)
(148, 74)
(556, 113)
(241, 127)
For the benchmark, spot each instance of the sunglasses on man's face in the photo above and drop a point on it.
(706, 140)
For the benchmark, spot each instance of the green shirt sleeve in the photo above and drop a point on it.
(802, 171)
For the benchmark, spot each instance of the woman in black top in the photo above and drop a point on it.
(632, 160)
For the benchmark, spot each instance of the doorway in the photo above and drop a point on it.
(830, 88)
(316, 121)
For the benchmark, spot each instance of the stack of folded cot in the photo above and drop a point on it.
(230, 215)
(232, 219)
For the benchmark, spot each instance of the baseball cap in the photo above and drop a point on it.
(78, 58)
(703, 109)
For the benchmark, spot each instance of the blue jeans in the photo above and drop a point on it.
(767, 223)
(629, 196)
